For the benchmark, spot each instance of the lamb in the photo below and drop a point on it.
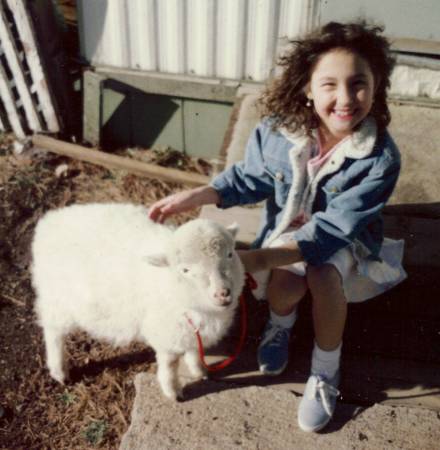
(109, 270)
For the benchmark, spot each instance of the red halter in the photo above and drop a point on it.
(251, 284)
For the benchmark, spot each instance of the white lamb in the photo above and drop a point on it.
(109, 270)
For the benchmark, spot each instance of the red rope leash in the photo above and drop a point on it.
(251, 284)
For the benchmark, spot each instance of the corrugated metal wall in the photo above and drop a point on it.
(234, 39)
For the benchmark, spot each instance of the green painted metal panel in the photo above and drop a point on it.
(205, 124)
(132, 118)
(156, 120)
(115, 119)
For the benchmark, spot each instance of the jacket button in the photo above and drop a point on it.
(279, 176)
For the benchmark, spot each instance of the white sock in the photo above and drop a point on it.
(326, 363)
(284, 321)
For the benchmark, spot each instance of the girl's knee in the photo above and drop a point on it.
(326, 287)
(326, 273)
(284, 282)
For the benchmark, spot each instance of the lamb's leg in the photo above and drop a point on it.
(53, 338)
(192, 361)
(167, 364)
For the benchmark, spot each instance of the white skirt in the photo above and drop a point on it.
(362, 278)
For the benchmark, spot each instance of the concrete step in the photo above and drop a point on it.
(219, 415)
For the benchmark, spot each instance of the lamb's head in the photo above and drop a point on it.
(203, 254)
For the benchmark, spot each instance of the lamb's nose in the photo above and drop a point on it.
(226, 292)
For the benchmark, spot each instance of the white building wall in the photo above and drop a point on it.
(239, 39)
(235, 39)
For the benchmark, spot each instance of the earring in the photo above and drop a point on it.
(309, 103)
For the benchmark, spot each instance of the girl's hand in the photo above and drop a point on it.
(181, 202)
(270, 258)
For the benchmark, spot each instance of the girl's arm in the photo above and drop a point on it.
(182, 201)
(244, 182)
(347, 215)
(270, 258)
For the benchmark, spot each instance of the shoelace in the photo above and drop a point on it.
(325, 391)
(274, 335)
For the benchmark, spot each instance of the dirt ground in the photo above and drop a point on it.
(93, 411)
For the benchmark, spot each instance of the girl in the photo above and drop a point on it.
(325, 164)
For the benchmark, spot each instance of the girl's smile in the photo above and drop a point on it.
(342, 89)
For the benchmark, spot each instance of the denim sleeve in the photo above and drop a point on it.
(246, 181)
(347, 215)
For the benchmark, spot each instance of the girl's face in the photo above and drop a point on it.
(342, 90)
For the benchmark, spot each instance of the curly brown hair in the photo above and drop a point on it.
(284, 100)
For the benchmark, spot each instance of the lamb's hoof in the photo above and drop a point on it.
(198, 376)
(174, 395)
(58, 376)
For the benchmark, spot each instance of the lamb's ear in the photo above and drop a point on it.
(233, 229)
(158, 260)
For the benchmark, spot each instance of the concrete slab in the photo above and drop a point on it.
(222, 416)
(417, 133)
(390, 368)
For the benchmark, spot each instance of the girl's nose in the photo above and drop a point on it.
(345, 95)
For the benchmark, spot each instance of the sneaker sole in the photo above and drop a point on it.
(313, 429)
(264, 371)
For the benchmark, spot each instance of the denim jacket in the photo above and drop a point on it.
(344, 200)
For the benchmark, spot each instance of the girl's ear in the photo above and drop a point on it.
(308, 91)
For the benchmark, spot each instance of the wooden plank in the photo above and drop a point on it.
(118, 162)
(13, 59)
(24, 28)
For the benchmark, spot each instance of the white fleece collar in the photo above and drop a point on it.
(359, 145)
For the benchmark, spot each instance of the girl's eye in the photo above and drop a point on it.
(230, 255)
(359, 83)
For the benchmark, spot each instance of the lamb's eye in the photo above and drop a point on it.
(230, 255)
(185, 270)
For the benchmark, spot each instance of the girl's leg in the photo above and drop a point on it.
(284, 292)
(329, 314)
(329, 305)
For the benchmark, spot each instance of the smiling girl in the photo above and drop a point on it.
(325, 164)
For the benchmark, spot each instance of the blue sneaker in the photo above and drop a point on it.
(273, 351)
(318, 403)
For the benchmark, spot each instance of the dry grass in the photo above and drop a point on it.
(93, 410)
